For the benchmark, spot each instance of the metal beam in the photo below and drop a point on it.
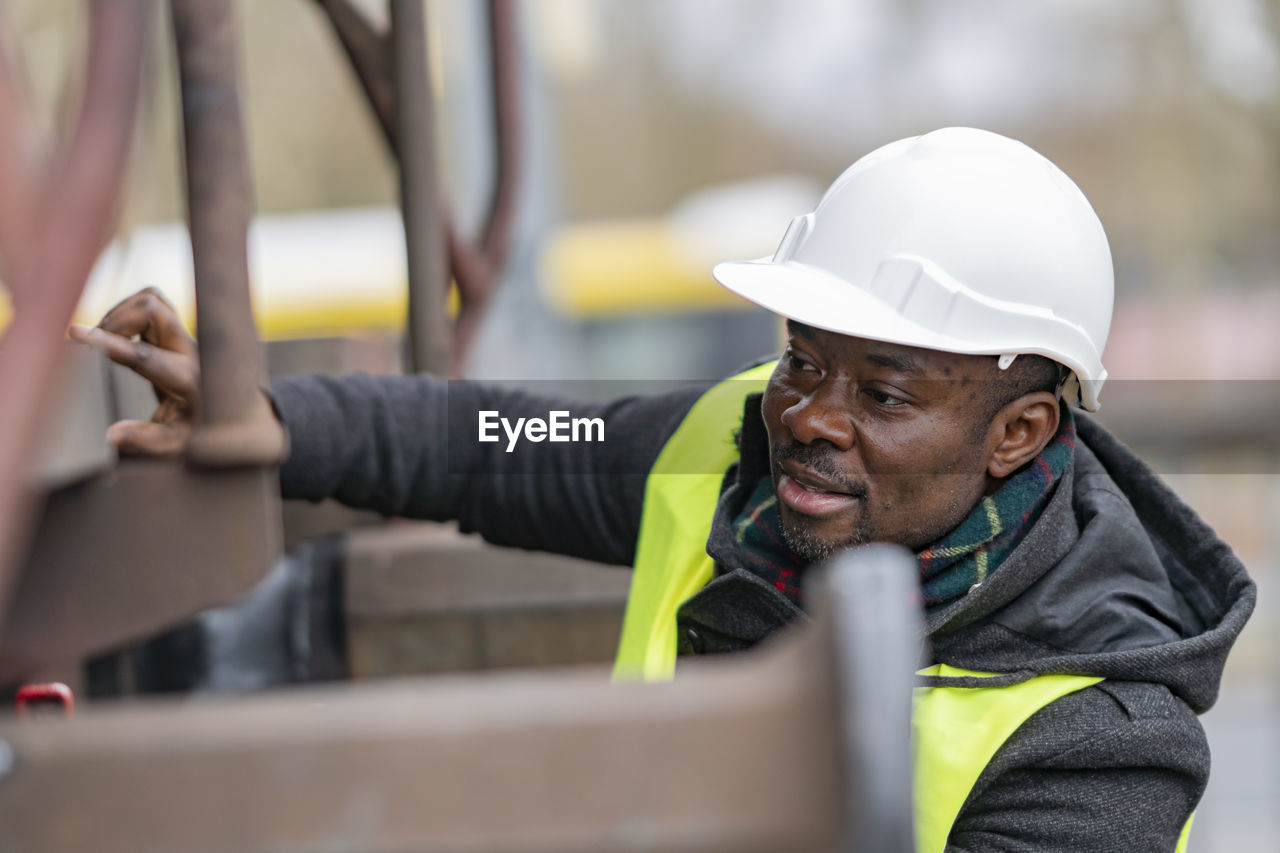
(135, 551)
(237, 427)
(430, 336)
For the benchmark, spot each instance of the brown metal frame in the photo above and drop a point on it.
(133, 552)
(236, 428)
(136, 549)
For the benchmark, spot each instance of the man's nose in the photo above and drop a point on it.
(822, 415)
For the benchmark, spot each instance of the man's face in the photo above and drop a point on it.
(873, 442)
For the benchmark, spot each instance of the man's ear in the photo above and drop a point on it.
(1020, 431)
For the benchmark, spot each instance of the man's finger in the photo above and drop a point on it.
(144, 438)
(172, 372)
(148, 314)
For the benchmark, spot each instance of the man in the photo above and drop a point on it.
(946, 304)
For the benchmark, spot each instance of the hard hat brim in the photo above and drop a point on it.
(816, 298)
(819, 299)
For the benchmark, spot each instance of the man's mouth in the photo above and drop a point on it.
(807, 492)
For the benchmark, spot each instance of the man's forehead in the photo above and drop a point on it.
(900, 357)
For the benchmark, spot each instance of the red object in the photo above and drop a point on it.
(54, 692)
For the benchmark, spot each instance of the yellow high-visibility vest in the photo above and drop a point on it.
(956, 730)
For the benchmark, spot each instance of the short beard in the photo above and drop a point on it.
(798, 536)
(808, 547)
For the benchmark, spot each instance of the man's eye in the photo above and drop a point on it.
(881, 398)
(797, 363)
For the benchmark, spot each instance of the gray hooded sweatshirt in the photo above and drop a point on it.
(1118, 578)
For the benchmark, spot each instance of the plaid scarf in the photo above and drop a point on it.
(950, 567)
(969, 554)
(763, 552)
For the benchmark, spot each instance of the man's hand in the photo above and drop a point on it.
(165, 355)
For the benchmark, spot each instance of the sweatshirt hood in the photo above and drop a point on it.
(1119, 578)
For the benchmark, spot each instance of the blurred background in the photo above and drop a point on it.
(661, 137)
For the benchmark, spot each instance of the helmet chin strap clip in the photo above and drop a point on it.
(1069, 388)
(1006, 360)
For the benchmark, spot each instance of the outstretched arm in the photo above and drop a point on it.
(408, 446)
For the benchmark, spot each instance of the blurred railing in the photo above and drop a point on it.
(801, 745)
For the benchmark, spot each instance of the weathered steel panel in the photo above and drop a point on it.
(133, 551)
(761, 751)
(737, 756)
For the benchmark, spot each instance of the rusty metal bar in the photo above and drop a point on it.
(236, 427)
(72, 217)
(430, 344)
(874, 638)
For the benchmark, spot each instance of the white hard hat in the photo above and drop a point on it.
(960, 240)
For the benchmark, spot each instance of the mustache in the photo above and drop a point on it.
(822, 460)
